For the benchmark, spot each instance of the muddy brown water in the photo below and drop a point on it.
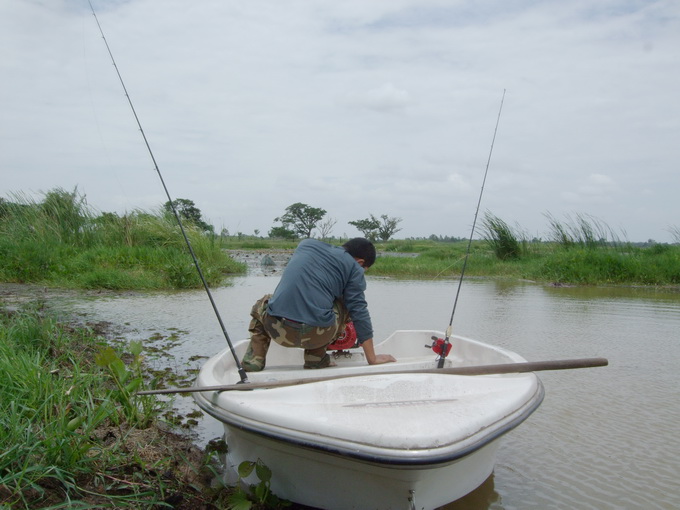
(604, 438)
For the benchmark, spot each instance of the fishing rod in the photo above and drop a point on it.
(445, 347)
(241, 371)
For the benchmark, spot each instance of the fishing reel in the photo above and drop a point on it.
(438, 345)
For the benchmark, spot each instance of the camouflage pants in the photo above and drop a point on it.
(313, 339)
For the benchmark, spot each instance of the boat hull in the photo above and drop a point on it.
(334, 482)
(372, 440)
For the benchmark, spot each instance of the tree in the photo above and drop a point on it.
(326, 227)
(282, 233)
(388, 227)
(188, 211)
(301, 218)
(368, 227)
(374, 228)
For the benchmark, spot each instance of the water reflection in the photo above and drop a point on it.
(482, 498)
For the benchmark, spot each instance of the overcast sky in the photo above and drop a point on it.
(357, 107)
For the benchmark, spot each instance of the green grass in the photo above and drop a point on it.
(51, 402)
(549, 262)
(609, 266)
(60, 242)
(581, 251)
(73, 433)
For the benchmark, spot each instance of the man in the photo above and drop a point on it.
(321, 289)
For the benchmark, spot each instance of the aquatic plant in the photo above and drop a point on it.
(259, 494)
(128, 379)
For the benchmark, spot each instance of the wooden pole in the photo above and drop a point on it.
(504, 368)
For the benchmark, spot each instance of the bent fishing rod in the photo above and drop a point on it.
(241, 371)
(445, 347)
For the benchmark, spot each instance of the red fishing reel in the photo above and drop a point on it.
(438, 346)
(345, 341)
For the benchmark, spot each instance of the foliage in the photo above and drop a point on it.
(658, 264)
(128, 379)
(373, 228)
(503, 239)
(608, 266)
(259, 494)
(59, 241)
(282, 233)
(55, 411)
(301, 219)
(675, 232)
(368, 227)
(188, 211)
(583, 230)
(61, 217)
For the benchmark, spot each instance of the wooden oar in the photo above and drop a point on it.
(504, 368)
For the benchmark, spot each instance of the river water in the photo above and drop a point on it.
(604, 438)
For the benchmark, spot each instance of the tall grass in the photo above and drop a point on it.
(505, 241)
(60, 241)
(651, 266)
(53, 400)
(583, 231)
(675, 232)
(657, 265)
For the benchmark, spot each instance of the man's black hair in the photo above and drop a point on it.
(361, 248)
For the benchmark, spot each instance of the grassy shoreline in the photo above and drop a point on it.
(605, 264)
(74, 434)
(60, 242)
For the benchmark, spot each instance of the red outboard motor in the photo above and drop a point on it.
(345, 341)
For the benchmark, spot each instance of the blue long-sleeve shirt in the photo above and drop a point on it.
(315, 276)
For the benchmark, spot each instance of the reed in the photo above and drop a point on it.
(505, 241)
(621, 264)
(60, 241)
(583, 231)
(651, 266)
(674, 230)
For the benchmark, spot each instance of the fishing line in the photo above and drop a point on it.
(444, 350)
(241, 371)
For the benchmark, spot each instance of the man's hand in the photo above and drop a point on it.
(372, 357)
(382, 358)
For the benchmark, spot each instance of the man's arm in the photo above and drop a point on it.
(372, 357)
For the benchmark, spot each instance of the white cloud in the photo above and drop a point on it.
(386, 98)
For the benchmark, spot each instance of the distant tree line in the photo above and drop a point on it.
(301, 220)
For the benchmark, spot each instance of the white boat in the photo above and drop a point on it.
(378, 439)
